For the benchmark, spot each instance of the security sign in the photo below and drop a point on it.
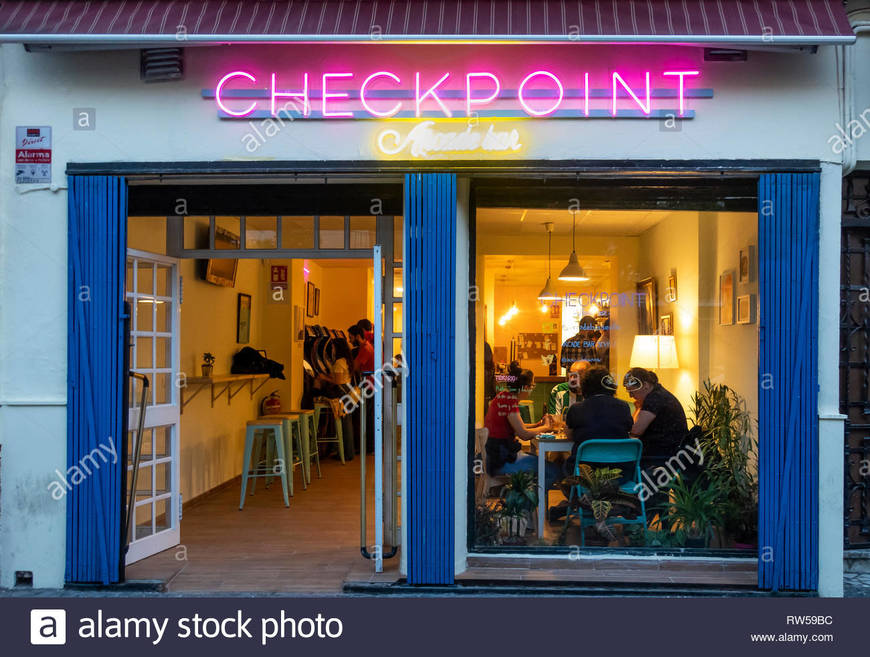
(32, 154)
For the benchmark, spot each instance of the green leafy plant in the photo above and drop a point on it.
(692, 508)
(655, 538)
(730, 456)
(208, 358)
(521, 494)
(601, 495)
(486, 524)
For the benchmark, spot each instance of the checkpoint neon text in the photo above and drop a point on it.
(383, 94)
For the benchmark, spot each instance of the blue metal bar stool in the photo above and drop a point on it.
(319, 409)
(295, 445)
(269, 429)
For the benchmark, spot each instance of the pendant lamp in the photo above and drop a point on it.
(549, 292)
(573, 271)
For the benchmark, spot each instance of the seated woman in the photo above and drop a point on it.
(505, 425)
(659, 421)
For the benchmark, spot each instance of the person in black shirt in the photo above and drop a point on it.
(582, 345)
(600, 415)
(660, 421)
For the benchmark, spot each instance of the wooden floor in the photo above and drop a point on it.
(310, 547)
(313, 547)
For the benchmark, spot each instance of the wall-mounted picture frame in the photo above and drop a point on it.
(298, 323)
(746, 267)
(726, 298)
(243, 319)
(671, 288)
(746, 309)
(666, 324)
(316, 301)
(647, 306)
(309, 300)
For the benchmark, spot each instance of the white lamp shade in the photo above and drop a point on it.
(573, 271)
(549, 292)
(654, 352)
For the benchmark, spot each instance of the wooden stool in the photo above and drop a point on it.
(319, 408)
(292, 425)
(271, 429)
(309, 437)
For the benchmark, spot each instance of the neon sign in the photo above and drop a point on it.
(425, 140)
(385, 94)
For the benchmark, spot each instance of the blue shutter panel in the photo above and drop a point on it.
(95, 375)
(788, 244)
(430, 275)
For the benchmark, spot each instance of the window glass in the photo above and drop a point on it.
(655, 311)
(331, 232)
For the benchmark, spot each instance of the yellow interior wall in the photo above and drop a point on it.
(673, 244)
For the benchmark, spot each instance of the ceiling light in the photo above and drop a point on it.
(548, 293)
(573, 271)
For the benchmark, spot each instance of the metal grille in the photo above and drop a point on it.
(855, 357)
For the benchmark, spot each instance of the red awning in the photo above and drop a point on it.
(165, 22)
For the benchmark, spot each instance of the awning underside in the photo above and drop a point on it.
(771, 22)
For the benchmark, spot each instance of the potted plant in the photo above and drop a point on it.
(602, 496)
(730, 457)
(487, 524)
(520, 501)
(207, 364)
(693, 510)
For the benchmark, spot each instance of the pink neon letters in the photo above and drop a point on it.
(539, 94)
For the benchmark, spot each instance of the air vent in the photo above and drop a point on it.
(161, 64)
(724, 55)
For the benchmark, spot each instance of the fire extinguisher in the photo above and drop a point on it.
(271, 404)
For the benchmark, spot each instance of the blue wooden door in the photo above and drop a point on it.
(95, 378)
(430, 314)
(788, 246)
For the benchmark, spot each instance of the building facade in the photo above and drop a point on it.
(695, 120)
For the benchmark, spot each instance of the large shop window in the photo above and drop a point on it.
(616, 379)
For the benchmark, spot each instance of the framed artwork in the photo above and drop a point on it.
(671, 289)
(666, 325)
(316, 301)
(243, 319)
(746, 269)
(726, 298)
(298, 323)
(746, 309)
(309, 300)
(647, 306)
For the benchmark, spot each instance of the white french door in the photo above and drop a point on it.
(152, 290)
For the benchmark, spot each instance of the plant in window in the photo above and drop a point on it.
(520, 501)
(730, 456)
(207, 363)
(601, 495)
(693, 509)
(487, 524)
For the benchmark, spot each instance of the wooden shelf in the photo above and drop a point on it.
(219, 385)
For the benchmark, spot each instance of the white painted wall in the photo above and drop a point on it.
(773, 106)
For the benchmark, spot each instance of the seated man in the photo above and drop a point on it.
(659, 421)
(563, 395)
(600, 416)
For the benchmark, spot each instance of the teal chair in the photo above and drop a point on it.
(610, 452)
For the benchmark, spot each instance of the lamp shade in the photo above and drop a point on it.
(549, 292)
(654, 352)
(573, 271)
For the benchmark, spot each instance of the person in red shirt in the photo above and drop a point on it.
(505, 426)
(368, 329)
(365, 355)
(363, 362)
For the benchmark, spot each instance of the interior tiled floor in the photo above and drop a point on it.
(310, 547)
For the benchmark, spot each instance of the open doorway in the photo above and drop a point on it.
(192, 316)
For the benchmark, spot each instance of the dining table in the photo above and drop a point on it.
(543, 444)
